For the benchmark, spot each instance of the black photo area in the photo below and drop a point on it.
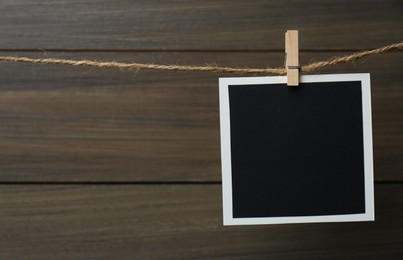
(297, 151)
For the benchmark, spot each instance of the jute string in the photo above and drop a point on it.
(145, 66)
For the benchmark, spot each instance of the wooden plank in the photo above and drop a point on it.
(69, 124)
(177, 222)
(198, 25)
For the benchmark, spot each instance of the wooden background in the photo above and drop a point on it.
(110, 164)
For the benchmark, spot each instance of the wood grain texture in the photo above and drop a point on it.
(177, 222)
(198, 25)
(68, 124)
(61, 124)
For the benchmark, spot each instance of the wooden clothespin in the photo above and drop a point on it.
(291, 57)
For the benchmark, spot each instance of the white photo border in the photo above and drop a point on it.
(225, 136)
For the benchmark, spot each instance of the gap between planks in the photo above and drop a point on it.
(42, 50)
(139, 183)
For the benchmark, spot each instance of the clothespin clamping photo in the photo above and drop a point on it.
(291, 57)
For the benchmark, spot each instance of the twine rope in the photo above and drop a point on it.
(148, 66)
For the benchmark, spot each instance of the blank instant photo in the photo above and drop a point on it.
(296, 154)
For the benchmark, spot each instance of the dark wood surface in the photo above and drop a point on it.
(198, 25)
(78, 124)
(110, 164)
(177, 222)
